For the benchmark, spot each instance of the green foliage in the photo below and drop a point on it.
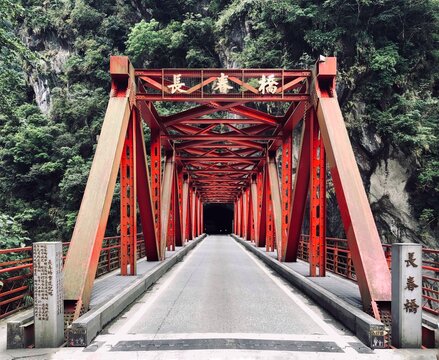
(387, 52)
(12, 234)
(189, 43)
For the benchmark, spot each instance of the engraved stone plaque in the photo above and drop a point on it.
(407, 295)
(48, 294)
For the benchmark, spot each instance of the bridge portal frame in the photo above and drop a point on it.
(228, 160)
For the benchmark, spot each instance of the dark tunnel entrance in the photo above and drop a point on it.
(218, 218)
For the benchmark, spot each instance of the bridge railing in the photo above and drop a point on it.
(339, 261)
(16, 271)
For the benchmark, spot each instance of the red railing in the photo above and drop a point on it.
(339, 261)
(16, 271)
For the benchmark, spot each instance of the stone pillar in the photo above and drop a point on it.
(407, 295)
(48, 294)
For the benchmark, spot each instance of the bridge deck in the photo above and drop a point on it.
(341, 287)
(110, 284)
(221, 297)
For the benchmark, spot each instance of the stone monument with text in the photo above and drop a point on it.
(407, 295)
(48, 294)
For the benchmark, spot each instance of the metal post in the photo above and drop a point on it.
(156, 159)
(317, 232)
(263, 209)
(170, 238)
(287, 175)
(144, 198)
(275, 202)
(270, 222)
(300, 191)
(165, 202)
(185, 209)
(178, 184)
(193, 214)
(128, 208)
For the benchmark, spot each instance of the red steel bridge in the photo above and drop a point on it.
(223, 150)
(218, 147)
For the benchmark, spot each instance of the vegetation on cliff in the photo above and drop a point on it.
(54, 82)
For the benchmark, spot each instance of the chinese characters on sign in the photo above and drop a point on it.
(43, 286)
(176, 87)
(410, 305)
(267, 84)
(406, 295)
(48, 294)
(222, 84)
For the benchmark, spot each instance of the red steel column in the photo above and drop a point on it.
(185, 211)
(317, 238)
(276, 206)
(193, 214)
(128, 212)
(263, 209)
(287, 174)
(178, 185)
(270, 222)
(202, 217)
(156, 159)
(250, 215)
(170, 238)
(245, 217)
(234, 217)
(199, 216)
(241, 227)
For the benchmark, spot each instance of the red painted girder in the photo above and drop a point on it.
(207, 98)
(128, 198)
(300, 193)
(196, 112)
(246, 73)
(221, 171)
(193, 144)
(262, 221)
(287, 175)
(294, 115)
(255, 212)
(255, 114)
(257, 129)
(185, 210)
(165, 201)
(238, 147)
(223, 121)
(214, 156)
(363, 238)
(220, 159)
(85, 246)
(144, 199)
(186, 129)
(275, 202)
(317, 203)
(221, 137)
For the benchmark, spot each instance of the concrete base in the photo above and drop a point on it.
(84, 330)
(20, 330)
(361, 324)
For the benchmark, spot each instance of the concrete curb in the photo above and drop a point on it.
(364, 326)
(84, 329)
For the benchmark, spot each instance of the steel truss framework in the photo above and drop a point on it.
(223, 150)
